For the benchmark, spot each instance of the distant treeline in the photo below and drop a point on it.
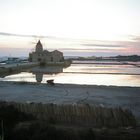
(113, 58)
(36, 121)
(127, 58)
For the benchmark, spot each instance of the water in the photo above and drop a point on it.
(91, 74)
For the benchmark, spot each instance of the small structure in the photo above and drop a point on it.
(50, 82)
(12, 60)
(44, 56)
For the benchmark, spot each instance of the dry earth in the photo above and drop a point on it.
(109, 96)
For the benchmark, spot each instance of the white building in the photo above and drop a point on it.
(44, 56)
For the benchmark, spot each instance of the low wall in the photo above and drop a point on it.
(17, 67)
(66, 63)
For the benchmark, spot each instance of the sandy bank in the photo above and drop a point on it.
(110, 96)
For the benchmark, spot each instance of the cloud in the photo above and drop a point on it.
(133, 42)
(101, 45)
(11, 34)
(23, 35)
(69, 45)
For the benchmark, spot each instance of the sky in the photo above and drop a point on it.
(75, 27)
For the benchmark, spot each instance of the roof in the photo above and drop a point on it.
(39, 43)
(56, 51)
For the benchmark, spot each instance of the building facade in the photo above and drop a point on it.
(44, 56)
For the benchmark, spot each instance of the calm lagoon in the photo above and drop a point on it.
(90, 74)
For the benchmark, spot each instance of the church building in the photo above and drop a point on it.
(44, 56)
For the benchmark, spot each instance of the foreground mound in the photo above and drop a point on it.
(72, 122)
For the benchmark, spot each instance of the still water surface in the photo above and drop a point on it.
(91, 74)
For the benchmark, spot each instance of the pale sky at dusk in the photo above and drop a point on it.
(76, 27)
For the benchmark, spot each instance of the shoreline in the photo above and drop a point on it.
(66, 84)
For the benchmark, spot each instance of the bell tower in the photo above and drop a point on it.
(39, 47)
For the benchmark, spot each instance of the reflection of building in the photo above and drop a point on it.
(45, 56)
(39, 77)
(46, 70)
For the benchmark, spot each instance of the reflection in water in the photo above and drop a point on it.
(39, 77)
(39, 71)
(118, 75)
